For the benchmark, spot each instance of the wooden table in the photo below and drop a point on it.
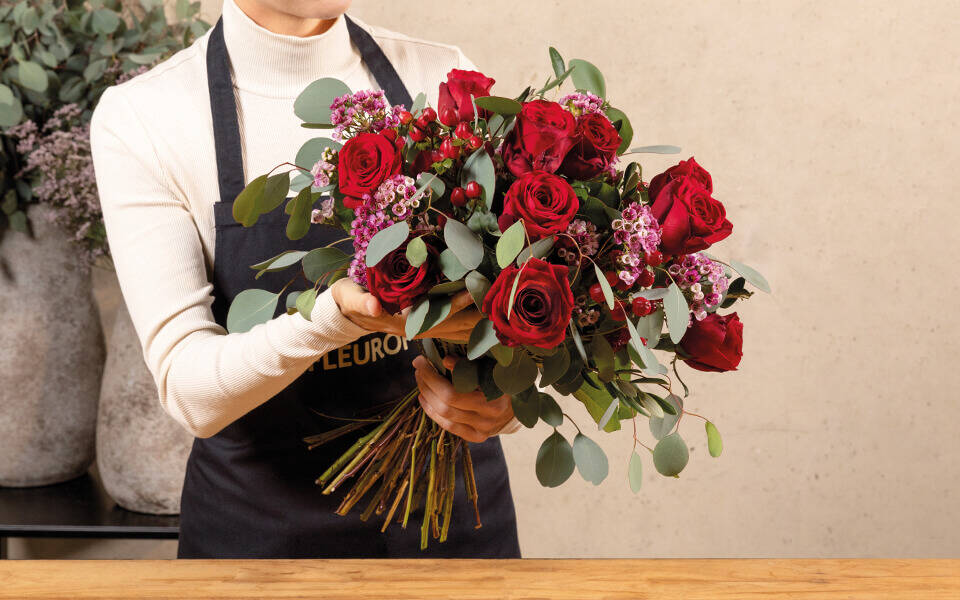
(692, 579)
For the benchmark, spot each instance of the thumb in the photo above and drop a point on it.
(449, 361)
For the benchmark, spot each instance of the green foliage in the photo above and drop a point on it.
(510, 244)
(499, 105)
(251, 307)
(386, 241)
(588, 77)
(590, 458)
(479, 167)
(670, 455)
(517, 376)
(313, 103)
(635, 472)
(464, 244)
(482, 338)
(677, 311)
(555, 462)
(321, 261)
(714, 441)
(57, 52)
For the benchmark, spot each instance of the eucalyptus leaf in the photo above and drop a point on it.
(499, 105)
(386, 241)
(516, 377)
(605, 286)
(478, 286)
(677, 312)
(557, 62)
(526, 408)
(660, 149)
(249, 308)
(439, 310)
(590, 458)
(555, 462)
(660, 427)
(280, 261)
(550, 411)
(414, 322)
(714, 441)
(608, 414)
(416, 252)
(510, 244)
(32, 76)
(751, 275)
(306, 301)
(671, 455)
(554, 367)
(625, 129)
(482, 338)
(320, 261)
(313, 103)
(299, 209)
(464, 376)
(635, 472)
(479, 167)
(588, 77)
(312, 151)
(245, 204)
(450, 265)
(502, 354)
(538, 249)
(464, 243)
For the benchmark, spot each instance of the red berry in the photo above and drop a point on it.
(429, 114)
(473, 189)
(596, 293)
(448, 117)
(405, 117)
(423, 123)
(612, 278)
(436, 156)
(618, 313)
(645, 279)
(474, 142)
(641, 307)
(654, 259)
(449, 150)
(416, 134)
(458, 197)
(463, 131)
(622, 285)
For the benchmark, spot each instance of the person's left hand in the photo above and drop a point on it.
(470, 416)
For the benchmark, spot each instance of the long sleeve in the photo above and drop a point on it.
(205, 377)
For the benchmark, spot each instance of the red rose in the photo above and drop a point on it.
(686, 168)
(456, 90)
(544, 201)
(364, 162)
(540, 139)
(541, 309)
(595, 144)
(397, 284)
(715, 343)
(690, 218)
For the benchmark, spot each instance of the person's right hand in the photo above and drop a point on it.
(361, 307)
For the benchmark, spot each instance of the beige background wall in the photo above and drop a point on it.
(832, 132)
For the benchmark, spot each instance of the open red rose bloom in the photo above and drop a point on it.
(590, 282)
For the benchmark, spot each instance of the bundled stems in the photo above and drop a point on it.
(407, 461)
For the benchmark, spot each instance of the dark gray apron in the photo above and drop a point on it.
(249, 490)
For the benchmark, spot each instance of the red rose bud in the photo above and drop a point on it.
(448, 116)
(429, 114)
(714, 344)
(595, 143)
(540, 139)
(397, 284)
(686, 168)
(542, 305)
(544, 201)
(455, 92)
(458, 197)
(463, 131)
(690, 218)
(473, 189)
(449, 150)
(423, 122)
(364, 162)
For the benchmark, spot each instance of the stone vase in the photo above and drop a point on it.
(141, 450)
(51, 356)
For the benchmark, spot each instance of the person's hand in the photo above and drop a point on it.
(361, 307)
(470, 416)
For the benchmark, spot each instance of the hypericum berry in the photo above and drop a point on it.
(436, 156)
(449, 117)
(654, 259)
(622, 285)
(405, 117)
(641, 307)
(596, 293)
(612, 278)
(474, 142)
(416, 134)
(473, 190)
(618, 313)
(645, 278)
(429, 114)
(449, 150)
(458, 197)
(463, 131)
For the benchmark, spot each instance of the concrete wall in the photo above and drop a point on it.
(831, 129)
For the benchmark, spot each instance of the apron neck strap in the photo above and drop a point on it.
(223, 103)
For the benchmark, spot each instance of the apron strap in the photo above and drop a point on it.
(378, 63)
(223, 108)
(223, 103)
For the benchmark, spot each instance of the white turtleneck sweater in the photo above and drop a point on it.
(153, 153)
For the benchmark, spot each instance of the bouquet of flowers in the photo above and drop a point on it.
(590, 280)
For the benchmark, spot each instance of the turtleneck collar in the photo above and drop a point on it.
(279, 65)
